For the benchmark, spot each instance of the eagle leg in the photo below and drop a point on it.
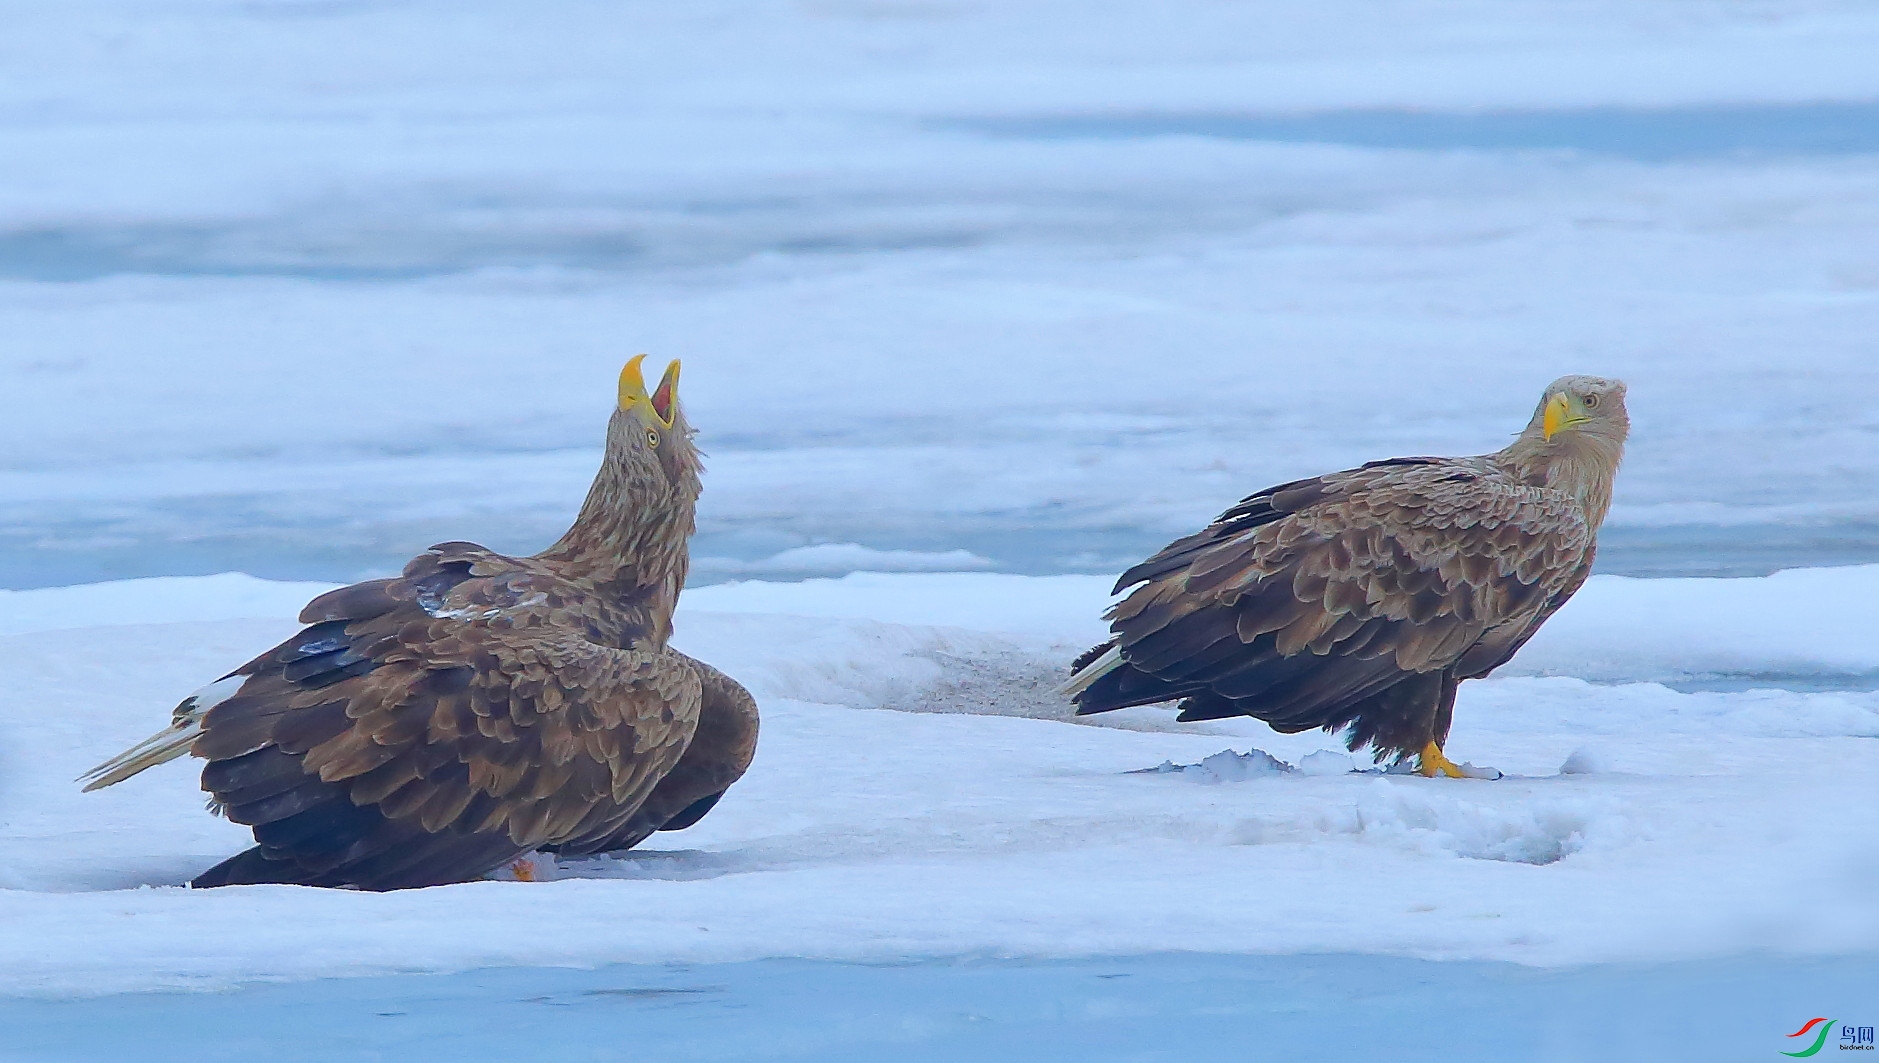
(1431, 762)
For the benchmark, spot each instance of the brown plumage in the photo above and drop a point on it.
(720, 750)
(1363, 598)
(429, 728)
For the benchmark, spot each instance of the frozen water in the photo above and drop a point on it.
(1658, 134)
(1164, 1007)
(351, 300)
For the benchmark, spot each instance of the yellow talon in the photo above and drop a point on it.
(523, 869)
(1433, 763)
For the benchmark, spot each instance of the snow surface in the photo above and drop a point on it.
(1636, 822)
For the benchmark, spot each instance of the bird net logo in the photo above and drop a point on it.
(1813, 1037)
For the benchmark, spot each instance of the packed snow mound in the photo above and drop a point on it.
(1804, 622)
(993, 643)
(1000, 644)
(1036, 610)
(1228, 766)
(1800, 622)
(1521, 704)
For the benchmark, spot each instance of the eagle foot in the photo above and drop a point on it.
(1432, 763)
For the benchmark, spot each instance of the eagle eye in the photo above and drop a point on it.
(1591, 402)
(652, 438)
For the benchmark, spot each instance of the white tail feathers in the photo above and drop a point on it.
(1081, 679)
(168, 744)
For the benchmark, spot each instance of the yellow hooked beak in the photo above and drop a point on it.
(663, 403)
(1559, 416)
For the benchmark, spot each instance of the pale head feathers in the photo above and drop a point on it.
(639, 511)
(1575, 441)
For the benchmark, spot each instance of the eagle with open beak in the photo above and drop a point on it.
(432, 727)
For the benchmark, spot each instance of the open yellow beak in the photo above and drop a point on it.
(663, 403)
(665, 397)
(1559, 417)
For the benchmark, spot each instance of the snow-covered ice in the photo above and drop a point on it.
(1716, 822)
(292, 296)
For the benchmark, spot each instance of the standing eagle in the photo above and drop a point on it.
(1363, 598)
(430, 728)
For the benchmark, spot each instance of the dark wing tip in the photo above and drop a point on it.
(361, 601)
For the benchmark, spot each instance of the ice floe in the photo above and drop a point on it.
(1636, 821)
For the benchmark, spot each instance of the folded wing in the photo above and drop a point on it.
(427, 729)
(1305, 605)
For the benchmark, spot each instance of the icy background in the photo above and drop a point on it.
(978, 302)
(298, 287)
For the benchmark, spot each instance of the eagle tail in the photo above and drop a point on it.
(253, 867)
(1104, 680)
(1093, 664)
(168, 744)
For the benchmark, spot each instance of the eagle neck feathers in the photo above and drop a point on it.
(630, 539)
(1582, 464)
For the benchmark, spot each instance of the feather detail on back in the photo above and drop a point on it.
(721, 749)
(428, 728)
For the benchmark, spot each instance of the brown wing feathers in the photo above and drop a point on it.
(387, 747)
(425, 728)
(1323, 601)
(720, 751)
